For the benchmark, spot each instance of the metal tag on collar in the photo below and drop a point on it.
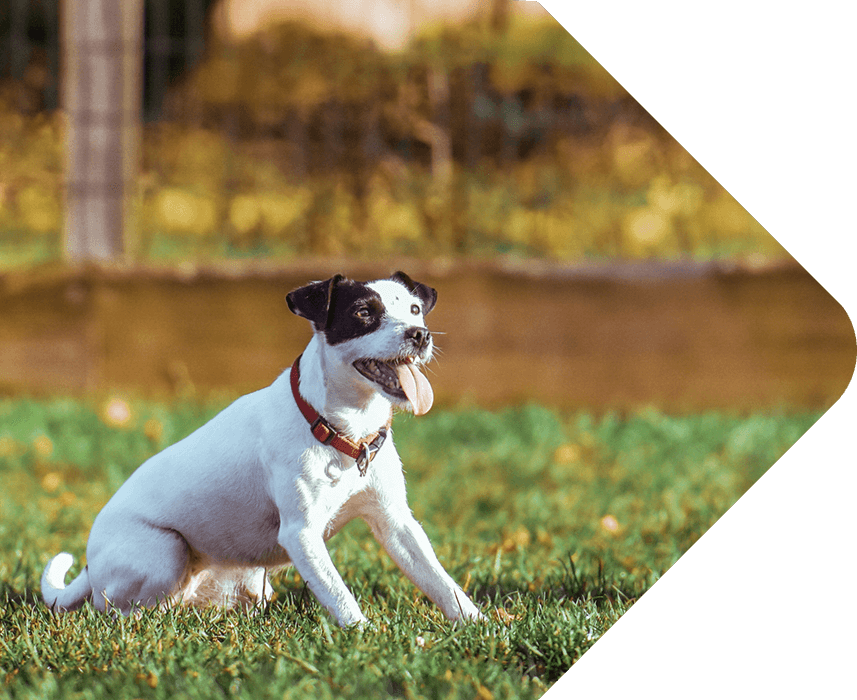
(367, 453)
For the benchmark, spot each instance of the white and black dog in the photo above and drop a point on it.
(269, 479)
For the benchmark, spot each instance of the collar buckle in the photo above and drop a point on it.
(368, 450)
(322, 431)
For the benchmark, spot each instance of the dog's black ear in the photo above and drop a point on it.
(312, 301)
(428, 295)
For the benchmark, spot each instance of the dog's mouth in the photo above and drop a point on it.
(399, 378)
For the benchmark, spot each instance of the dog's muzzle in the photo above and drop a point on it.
(399, 376)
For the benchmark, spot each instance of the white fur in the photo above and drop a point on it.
(203, 521)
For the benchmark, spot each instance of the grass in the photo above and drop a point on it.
(555, 523)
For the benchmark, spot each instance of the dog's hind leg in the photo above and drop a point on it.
(144, 568)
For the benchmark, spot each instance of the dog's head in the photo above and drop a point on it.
(376, 330)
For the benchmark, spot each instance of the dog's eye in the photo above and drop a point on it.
(363, 312)
(415, 310)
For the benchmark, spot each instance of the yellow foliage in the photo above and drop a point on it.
(273, 213)
(279, 210)
(682, 199)
(44, 446)
(9, 447)
(630, 191)
(646, 229)
(690, 197)
(181, 211)
(39, 209)
(5, 199)
(635, 155)
(483, 693)
(334, 220)
(520, 226)
(595, 222)
(400, 221)
(555, 232)
(567, 453)
(154, 430)
(726, 217)
(52, 481)
(342, 214)
(393, 221)
(550, 230)
(245, 214)
(486, 210)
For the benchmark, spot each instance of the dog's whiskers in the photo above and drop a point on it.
(434, 358)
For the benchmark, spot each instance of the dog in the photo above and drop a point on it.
(269, 479)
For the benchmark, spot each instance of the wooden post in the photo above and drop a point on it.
(102, 60)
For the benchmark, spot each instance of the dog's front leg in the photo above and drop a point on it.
(308, 553)
(408, 545)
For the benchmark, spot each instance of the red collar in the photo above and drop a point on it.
(362, 452)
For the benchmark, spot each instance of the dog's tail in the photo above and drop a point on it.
(56, 595)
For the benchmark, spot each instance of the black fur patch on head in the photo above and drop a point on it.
(340, 308)
(355, 310)
(426, 294)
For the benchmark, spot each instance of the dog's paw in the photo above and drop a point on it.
(475, 617)
(353, 622)
(467, 610)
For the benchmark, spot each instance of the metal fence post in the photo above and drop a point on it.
(101, 44)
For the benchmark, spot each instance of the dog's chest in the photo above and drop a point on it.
(328, 485)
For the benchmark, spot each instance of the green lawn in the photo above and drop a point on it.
(554, 522)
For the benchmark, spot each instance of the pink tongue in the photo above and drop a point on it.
(416, 388)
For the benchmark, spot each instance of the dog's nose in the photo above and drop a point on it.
(420, 337)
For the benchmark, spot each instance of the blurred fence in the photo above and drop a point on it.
(30, 48)
(470, 139)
